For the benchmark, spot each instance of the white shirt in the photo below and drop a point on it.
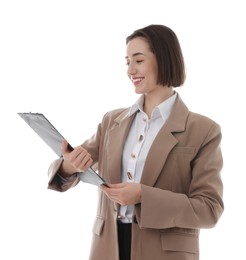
(140, 138)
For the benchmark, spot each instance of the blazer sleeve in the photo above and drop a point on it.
(202, 206)
(57, 182)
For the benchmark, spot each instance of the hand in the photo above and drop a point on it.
(126, 193)
(78, 160)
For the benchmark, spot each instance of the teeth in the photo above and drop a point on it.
(137, 80)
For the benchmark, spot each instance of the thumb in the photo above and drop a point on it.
(65, 147)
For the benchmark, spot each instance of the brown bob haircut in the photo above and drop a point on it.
(165, 45)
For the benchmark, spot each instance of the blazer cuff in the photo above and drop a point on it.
(58, 182)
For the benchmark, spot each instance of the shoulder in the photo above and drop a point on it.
(113, 118)
(184, 118)
(116, 114)
(202, 125)
(199, 119)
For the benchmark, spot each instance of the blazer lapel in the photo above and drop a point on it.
(161, 147)
(164, 143)
(116, 139)
(159, 151)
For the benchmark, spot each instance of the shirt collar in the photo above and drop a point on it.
(163, 109)
(138, 105)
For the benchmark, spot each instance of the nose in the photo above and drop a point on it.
(131, 70)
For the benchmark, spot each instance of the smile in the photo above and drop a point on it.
(137, 80)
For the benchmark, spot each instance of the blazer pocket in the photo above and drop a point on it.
(181, 242)
(98, 225)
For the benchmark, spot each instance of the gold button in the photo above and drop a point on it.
(140, 138)
(129, 175)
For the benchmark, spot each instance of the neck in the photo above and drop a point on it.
(153, 100)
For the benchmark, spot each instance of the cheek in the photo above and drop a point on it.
(152, 71)
(155, 72)
(153, 76)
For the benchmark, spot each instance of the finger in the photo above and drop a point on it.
(116, 185)
(105, 187)
(108, 191)
(83, 161)
(64, 147)
(88, 163)
(82, 157)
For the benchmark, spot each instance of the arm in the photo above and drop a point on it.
(56, 181)
(202, 206)
(63, 173)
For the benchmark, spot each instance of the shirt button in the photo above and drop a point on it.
(133, 155)
(129, 175)
(140, 138)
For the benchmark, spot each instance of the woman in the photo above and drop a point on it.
(162, 162)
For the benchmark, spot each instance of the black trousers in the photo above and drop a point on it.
(124, 240)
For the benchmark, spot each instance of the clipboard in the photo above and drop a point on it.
(52, 137)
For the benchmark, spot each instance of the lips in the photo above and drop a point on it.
(137, 80)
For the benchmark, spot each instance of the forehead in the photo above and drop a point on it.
(137, 45)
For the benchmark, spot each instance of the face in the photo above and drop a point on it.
(142, 66)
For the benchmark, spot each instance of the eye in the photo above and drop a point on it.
(137, 61)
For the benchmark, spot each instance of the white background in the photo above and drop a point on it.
(66, 59)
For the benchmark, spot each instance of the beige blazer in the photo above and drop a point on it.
(181, 186)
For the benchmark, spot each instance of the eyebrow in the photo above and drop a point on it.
(135, 54)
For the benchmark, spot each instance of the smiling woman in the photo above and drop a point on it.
(165, 51)
(66, 59)
(163, 177)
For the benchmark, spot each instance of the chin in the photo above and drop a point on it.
(138, 90)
